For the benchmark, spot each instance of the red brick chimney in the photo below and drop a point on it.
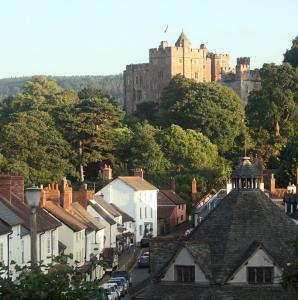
(12, 185)
(272, 183)
(83, 195)
(107, 174)
(139, 172)
(65, 194)
(194, 189)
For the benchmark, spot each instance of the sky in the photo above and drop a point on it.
(100, 37)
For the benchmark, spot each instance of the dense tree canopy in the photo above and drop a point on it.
(47, 282)
(144, 151)
(32, 145)
(288, 162)
(187, 149)
(291, 56)
(110, 84)
(89, 127)
(272, 112)
(212, 109)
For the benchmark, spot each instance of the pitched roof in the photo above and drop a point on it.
(200, 252)
(90, 221)
(138, 183)
(7, 214)
(182, 38)
(165, 206)
(106, 206)
(182, 291)
(101, 212)
(175, 198)
(65, 217)
(4, 227)
(21, 211)
(125, 216)
(242, 217)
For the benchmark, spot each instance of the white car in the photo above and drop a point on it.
(114, 290)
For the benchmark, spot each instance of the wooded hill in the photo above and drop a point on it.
(110, 84)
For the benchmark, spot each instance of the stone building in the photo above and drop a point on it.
(145, 82)
(241, 79)
(237, 252)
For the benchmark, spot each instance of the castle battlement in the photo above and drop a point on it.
(145, 82)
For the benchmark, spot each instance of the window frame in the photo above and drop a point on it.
(185, 274)
(259, 275)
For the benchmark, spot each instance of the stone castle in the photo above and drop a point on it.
(145, 82)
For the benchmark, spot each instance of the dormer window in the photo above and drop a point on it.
(260, 275)
(185, 273)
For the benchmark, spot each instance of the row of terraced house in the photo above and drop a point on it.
(81, 223)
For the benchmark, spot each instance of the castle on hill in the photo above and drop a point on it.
(145, 82)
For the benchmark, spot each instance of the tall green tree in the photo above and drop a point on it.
(291, 56)
(89, 127)
(214, 110)
(288, 162)
(145, 152)
(40, 93)
(272, 112)
(32, 145)
(187, 149)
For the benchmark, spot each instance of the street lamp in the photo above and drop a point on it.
(33, 195)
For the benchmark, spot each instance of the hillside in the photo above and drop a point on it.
(110, 84)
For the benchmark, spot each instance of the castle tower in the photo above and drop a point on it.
(146, 82)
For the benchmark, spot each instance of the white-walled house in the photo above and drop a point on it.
(110, 225)
(71, 232)
(16, 214)
(136, 197)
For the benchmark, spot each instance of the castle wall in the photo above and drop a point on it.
(146, 82)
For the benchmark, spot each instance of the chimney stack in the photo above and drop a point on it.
(65, 194)
(11, 183)
(107, 174)
(173, 184)
(139, 172)
(194, 189)
(272, 183)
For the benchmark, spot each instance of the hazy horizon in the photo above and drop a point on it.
(86, 38)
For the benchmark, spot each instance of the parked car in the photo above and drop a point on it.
(125, 274)
(113, 290)
(120, 284)
(126, 283)
(144, 243)
(115, 287)
(107, 293)
(144, 260)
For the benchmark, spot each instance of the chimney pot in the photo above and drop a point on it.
(139, 172)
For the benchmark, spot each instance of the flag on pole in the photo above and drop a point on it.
(166, 29)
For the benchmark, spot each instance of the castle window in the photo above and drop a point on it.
(137, 80)
(139, 95)
(260, 275)
(185, 273)
(196, 75)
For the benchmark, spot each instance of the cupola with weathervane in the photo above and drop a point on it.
(247, 175)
